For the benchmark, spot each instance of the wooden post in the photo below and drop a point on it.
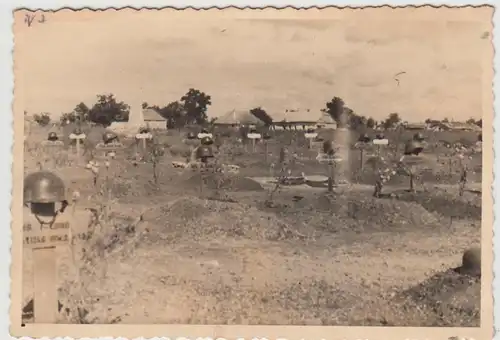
(362, 161)
(267, 149)
(45, 277)
(43, 244)
(78, 139)
(253, 137)
(143, 137)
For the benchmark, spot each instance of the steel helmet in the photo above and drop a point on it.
(52, 136)
(203, 130)
(471, 261)
(379, 136)
(266, 135)
(77, 131)
(413, 147)
(204, 151)
(43, 187)
(109, 137)
(328, 147)
(364, 138)
(310, 130)
(143, 130)
(191, 135)
(207, 141)
(418, 136)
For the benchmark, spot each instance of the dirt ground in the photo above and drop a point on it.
(170, 252)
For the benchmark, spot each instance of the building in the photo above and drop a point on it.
(415, 126)
(153, 119)
(295, 119)
(326, 122)
(459, 126)
(235, 118)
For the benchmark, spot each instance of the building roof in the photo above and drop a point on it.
(415, 126)
(152, 115)
(235, 117)
(326, 119)
(295, 115)
(461, 126)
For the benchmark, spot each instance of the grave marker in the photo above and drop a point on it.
(78, 138)
(254, 136)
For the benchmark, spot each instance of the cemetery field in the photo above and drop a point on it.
(177, 245)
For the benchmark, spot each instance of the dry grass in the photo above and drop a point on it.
(167, 253)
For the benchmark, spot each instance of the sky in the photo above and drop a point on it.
(276, 59)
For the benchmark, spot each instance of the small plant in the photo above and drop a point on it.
(154, 154)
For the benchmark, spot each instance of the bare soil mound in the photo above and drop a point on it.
(446, 203)
(376, 211)
(448, 298)
(223, 182)
(196, 219)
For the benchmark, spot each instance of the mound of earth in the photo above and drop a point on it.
(446, 203)
(376, 211)
(223, 182)
(197, 219)
(446, 299)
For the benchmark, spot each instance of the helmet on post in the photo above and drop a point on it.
(418, 137)
(204, 152)
(43, 187)
(207, 141)
(77, 131)
(328, 147)
(413, 147)
(380, 136)
(364, 138)
(109, 137)
(143, 129)
(52, 136)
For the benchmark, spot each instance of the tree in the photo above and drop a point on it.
(174, 113)
(370, 123)
(479, 123)
(196, 104)
(261, 114)
(82, 112)
(392, 121)
(145, 105)
(42, 119)
(108, 110)
(335, 108)
(356, 122)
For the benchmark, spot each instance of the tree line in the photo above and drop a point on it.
(191, 109)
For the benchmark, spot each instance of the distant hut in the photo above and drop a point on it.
(326, 122)
(153, 119)
(236, 118)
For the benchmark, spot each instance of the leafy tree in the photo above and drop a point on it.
(392, 121)
(262, 115)
(479, 123)
(108, 110)
(335, 108)
(145, 105)
(195, 104)
(42, 119)
(357, 122)
(174, 113)
(370, 123)
(82, 112)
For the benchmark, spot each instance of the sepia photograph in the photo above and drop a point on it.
(257, 167)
